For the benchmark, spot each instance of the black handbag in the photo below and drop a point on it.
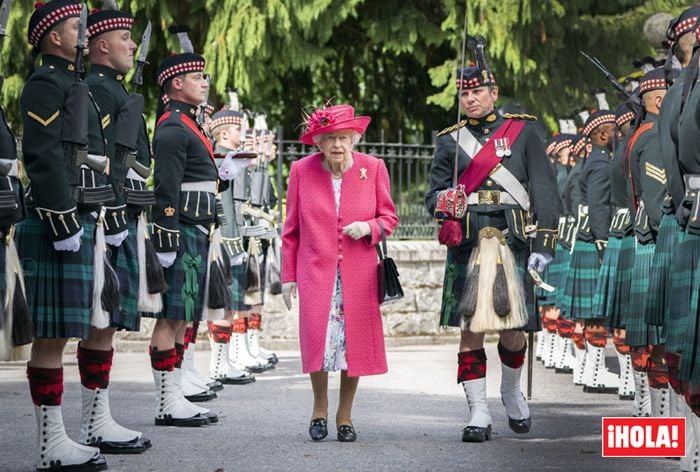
(387, 275)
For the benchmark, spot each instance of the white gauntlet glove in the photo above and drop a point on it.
(289, 290)
(357, 230)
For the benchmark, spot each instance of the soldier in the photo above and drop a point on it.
(647, 179)
(226, 131)
(111, 51)
(591, 240)
(184, 215)
(495, 203)
(59, 230)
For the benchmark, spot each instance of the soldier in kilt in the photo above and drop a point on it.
(648, 184)
(225, 128)
(594, 216)
(57, 239)
(491, 210)
(609, 295)
(184, 217)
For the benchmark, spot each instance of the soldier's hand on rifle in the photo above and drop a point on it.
(538, 261)
(167, 258)
(357, 229)
(116, 240)
(289, 290)
(71, 244)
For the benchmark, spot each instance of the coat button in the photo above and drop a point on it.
(340, 238)
(340, 257)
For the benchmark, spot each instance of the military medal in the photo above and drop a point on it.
(500, 151)
(506, 147)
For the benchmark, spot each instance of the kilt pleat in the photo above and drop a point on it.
(238, 287)
(684, 286)
(125, 261)
(552, 276)
(620, 296)
(184, 299)
(562, 302)
(581, 281)
(58, 283)
(690, 351)
(607, 280)
(658, 295)
(637, 332)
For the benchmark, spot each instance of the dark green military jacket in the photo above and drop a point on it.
(572, 191)
(182, 155)
(595, 194)
(620, 192)
(108, 91)
(527, 162)
(689, 157)
(11, 193)
(668, 140)
(46, 159)
(648, 176)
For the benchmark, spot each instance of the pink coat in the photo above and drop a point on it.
(313, 246)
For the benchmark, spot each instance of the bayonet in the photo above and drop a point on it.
(4, 16)
(633, 100)
(137, 78)
(109, 5)
(80, 47)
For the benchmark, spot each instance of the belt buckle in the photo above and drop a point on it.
(489, 197)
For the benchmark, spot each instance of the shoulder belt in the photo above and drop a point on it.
(485, 163)
(187, 121)
(643, 128)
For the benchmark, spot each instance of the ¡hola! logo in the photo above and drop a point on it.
(643, 437)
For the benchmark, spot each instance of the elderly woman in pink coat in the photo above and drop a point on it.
(337, 201)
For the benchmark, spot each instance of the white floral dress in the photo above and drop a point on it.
(334, 355)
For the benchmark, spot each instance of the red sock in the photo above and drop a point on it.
(657, 374)
(565, 328)
(513, 359)
(596, 338)
(620, 345)
(239, 326)
(179, 354)
(673, 362)
(191, 333)
(550, 324)
(162, 360)
(254, 321)
(94, 367)
(639, 359)
(45, 385)
(220, 334)
(472, 365)
(579, 340)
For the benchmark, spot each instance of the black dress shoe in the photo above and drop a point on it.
(205, 396)
(215, 386)
(212, 417)
(256, 369)
(520, 426)
(243, 380)
(135, 446)
(476, 434)
(318, 429)
(346, 433)
(93, 465)
(195, 421)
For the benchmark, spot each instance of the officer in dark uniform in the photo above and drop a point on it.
(648, 184)
(494, 206)
(111, 56)
(56, 240)
(184, 216)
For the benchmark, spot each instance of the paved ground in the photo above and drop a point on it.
(407, 420)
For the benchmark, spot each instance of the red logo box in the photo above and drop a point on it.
(643, 437)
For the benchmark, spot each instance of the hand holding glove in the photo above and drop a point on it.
(166, 258)
(357, 230)
(538, 261)
(289, 290)
(230, 168)
(71, 244)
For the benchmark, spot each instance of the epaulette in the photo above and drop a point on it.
(450, 129)
(519, 116)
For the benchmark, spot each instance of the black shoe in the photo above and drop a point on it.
(346, 433)
(520, 426)
(256, 369)
(626, 397)
(201, 397)
(212, 417)
(563, 370)
(318, 429)
(195, 421)
(476, 434)
(215, 386)
(273, 359)
(600, 389)
(135, 446)
(93, 465)
(243, 380)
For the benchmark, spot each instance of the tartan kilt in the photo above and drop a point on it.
(607, 279)
(237, 287)
(552, 276)
(637, 332)
(184, 299)
(658, 294)
(560, 292)
(125, 261)
(581, 281)
(58, 283)
(685, 283)
(618, 304)
(454, 286)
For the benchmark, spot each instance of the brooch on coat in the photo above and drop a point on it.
(363, 173)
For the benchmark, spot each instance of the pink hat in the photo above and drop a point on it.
(333, 118)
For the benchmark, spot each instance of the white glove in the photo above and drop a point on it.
(239, 259)
(166, 258)
(230, 168)
(71, 244)
(289, 290)
(357, 229)
(538, 261)
(116, 240)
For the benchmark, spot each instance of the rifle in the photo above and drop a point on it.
(201, 117)
(634, 102)
(4, 18)
(137, 78)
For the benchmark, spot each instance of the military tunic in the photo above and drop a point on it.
(58, 283)
(186, 181)
(529, 164)
(108, 91)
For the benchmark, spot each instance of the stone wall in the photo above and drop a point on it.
(421, 267)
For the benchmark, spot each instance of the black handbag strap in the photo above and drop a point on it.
(381, 247)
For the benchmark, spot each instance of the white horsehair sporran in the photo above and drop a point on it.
(493, 298)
